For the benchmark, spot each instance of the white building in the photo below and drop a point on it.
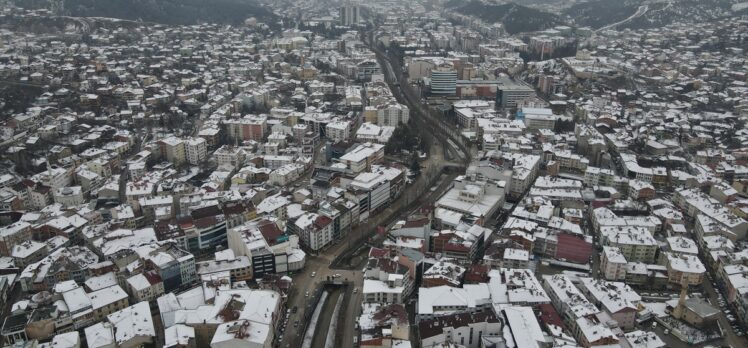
(372, 191)
(684, 268)
(460, 329)
(338, 131)
(146, 287)
(515, 258)
(197, 150)
(69, 196)
(392, 114)
(54, 177)
(613, 263)
(369, 132)
(568, 300)
(363, 156)
(470, 199)
(286, 174)
(693, 202)
(538, 118)
(314, 230)
(444, 300)
(252, 323)
(522, 327)
(250, 240)
(133, 326)
(618, 299)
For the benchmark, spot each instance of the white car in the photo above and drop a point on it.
(306, 294)
(336, 275)
(314, 274)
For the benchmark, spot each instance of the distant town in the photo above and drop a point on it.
(384, 174)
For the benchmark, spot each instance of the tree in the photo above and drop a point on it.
(563, 126)
(415, 167)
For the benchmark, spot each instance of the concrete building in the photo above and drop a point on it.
(465, 329)
(350, 14)
(392, 114)
(173, 150)
(684, 269)
(338, 131)
(70, 196)
(443, 80)
(613, 263)
(314, 230)
(146, 286)
(196, 150)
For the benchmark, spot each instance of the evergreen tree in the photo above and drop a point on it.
(415, 167)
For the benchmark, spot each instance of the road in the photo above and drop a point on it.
(326, 319)
(415, 195)
(730, 338)
(303, 282)
(639, 12)
(443, 132)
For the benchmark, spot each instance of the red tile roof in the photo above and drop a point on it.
(269, 231)
(549, 316)
(322, 221)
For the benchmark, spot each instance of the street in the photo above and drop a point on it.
(416, 195)
(730, 338)
(303, 282)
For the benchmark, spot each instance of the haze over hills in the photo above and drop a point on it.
(516, 18)
(297, 173)
(599, 13)
(647, 14)
(158, 11)
(533, 15)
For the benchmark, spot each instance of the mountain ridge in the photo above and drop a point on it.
(173, 12)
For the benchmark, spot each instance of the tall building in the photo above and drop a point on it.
(392, 114)
(196, 149)
(172, 149)
(350, 14)
(443, 80)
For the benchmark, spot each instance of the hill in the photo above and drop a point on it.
(161, 11)
(596, 14)
(649, 14)
(693, 11)
(515, 18)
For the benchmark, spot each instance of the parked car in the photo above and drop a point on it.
(306, 294)
(314, 274)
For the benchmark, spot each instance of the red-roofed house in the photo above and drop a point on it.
(573, 248)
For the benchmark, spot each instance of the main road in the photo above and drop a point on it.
(425, 190)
